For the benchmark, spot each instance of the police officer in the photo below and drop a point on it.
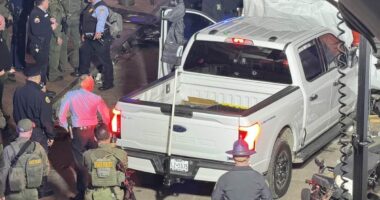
(83, 106)
(41, 30)
(106, 166)
(20, 10)
(56, 11)
(73, 10)
(5, 12)
(242, 182)
(5, 61)
(97, 41)
(29, 101)
(24, 166)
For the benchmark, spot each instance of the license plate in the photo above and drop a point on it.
(179, 165)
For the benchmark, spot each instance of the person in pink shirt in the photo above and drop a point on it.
(83, 106)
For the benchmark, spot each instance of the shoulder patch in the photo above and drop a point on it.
(37, 20)
(47, 99)
(101, 10)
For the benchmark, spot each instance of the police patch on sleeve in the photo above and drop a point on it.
(37, 20)
(101, 10)
(47, 99)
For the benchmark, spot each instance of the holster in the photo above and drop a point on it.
(65, 26)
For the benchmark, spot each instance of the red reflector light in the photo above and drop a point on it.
(249, 134)
(239, 41)
(116, 122)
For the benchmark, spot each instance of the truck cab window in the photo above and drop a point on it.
(330, 44)
(311, 61)
(238, 61)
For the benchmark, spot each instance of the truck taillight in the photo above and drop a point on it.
(239, 41)
(250, 134)
(116, 122)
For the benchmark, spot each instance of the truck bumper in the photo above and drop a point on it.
(155, 163)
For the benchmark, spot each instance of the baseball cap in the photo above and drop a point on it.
(32, 70)
(24, 125)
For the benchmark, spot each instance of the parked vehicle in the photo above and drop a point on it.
(270, 81)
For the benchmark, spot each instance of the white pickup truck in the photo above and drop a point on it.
(273, 82)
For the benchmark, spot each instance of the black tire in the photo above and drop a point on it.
(280, 169)
(305, 194)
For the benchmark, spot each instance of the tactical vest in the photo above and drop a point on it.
(28, 170)
(103, 170)
(88, 21)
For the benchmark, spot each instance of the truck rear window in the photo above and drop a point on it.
(238, 61)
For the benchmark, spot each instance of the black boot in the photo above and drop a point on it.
(75, 73)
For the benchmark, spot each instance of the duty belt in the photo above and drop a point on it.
(84, 127)
(89, 36)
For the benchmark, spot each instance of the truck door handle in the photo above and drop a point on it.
(313, 97)
(336, 83)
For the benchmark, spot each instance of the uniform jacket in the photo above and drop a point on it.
(103, 150)
(9, 153)
(73, 9)
(40, 30)
(175, 37)
(241, 183)
(100, 152)
(31, 103)
(5, 61)
(96, 12)
(56, 11)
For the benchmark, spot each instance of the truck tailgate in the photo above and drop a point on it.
(198, 134)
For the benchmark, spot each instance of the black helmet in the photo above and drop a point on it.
(241, 149)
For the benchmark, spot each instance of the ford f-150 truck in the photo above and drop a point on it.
(271, 81)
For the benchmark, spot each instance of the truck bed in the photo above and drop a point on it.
(207, 92)
(197, 127)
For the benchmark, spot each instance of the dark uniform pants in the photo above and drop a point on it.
(42, 60)
(83, 139)
(101, 49)
(18, 40)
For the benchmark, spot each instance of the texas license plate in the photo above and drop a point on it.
(179, 165)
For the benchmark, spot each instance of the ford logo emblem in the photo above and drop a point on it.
(179, 129)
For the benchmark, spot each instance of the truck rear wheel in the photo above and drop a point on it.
(280, 168)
